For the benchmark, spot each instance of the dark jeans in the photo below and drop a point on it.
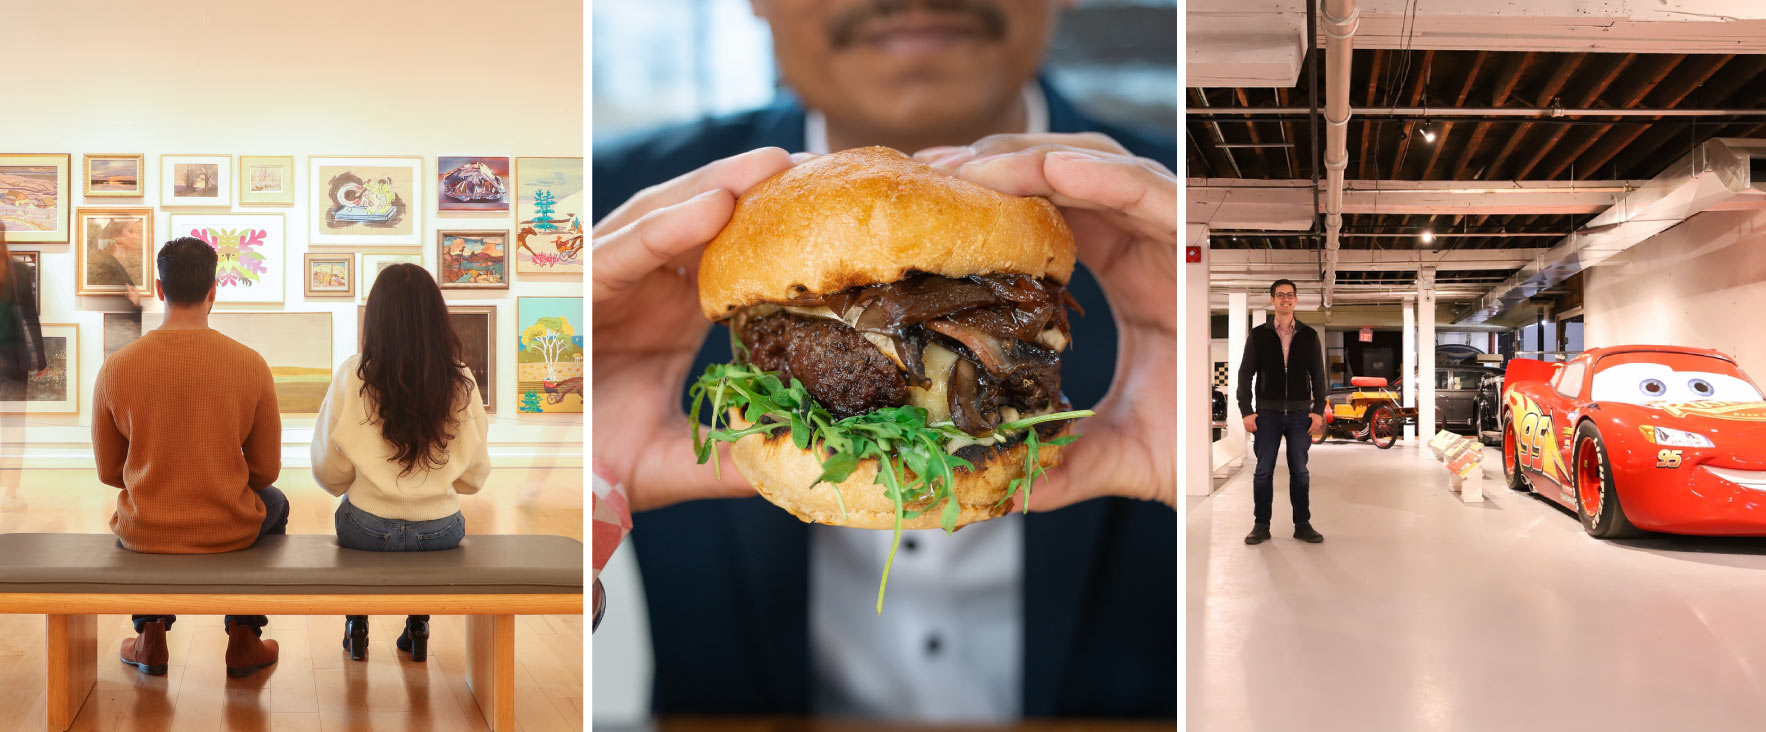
(358, 529)
(275, 524)
(1272, 426)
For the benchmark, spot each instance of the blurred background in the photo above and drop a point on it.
(676, 60)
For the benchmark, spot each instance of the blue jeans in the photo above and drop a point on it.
(1272, 426)
(358, 529)
(275, 524)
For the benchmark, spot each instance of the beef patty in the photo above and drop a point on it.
(842, 370)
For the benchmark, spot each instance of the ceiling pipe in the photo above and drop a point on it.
(1715, 175)
(1341, 18)
(1545, 112)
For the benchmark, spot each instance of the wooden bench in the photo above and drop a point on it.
(71, 578)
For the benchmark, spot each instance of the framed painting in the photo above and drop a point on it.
(549, 357)
(471, 184)
(477, 327)
(112, 255)
(116, 175)
(549, 204)
(366, 200)
(472, 260)
(252, 249)
(196, 180)
(330, 275)
(57, 389)
(266, 180)
(297, 346)
(32, 262)
(34, 198)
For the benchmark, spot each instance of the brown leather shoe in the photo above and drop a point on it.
(148, 650)
(246, 652)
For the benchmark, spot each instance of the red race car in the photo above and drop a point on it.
(1659, 438)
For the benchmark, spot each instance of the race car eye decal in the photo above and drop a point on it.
(1657, 384)
(1653, 388)
(1702, 388)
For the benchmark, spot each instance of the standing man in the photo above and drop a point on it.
(1287, 360)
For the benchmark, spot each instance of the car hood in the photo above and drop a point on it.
(1738, 429)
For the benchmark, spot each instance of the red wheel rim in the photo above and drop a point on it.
(1380, 425)
(1510, 463)
(1588, 482)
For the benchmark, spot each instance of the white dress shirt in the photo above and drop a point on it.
(949, 645)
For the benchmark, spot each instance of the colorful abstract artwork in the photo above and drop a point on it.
(297, 346)
(112, 253)
(330, 275)
(475, 184)
(367, 201)
(266, 180)
(34, 200)
(118, 176)
(252, 249)
(549, 357)
(472, 260)
(57, 389)
(550, 204)
(196, 180)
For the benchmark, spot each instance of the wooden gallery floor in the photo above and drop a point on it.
(314, 687)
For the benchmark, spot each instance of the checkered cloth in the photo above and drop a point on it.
(611, 517)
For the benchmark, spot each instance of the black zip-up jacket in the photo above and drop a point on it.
(1295, 384)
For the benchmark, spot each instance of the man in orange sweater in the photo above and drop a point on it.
(185, 422)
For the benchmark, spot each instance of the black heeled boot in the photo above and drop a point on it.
(415, 639)
(355, 636)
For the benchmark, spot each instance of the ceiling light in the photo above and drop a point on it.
(1428, 135)
(1428, 236)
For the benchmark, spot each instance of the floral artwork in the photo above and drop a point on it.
(251, 249)
(34, 200)
(472, 184)
(549, 236)
(367, 201)
(549, 355)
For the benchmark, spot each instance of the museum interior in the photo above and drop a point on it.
(1531, 238)
(312, 145)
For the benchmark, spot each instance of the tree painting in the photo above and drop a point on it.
(544, 203)
(550, 359)
(549, 337)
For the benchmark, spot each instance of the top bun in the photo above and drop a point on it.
(869, 216)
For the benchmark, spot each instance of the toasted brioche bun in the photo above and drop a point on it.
(785, 475)
(869, 216)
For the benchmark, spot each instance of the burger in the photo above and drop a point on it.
(897, 333)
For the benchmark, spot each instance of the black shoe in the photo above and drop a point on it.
(1259, 534)
(1305, 532)
(355, 636)
(415, 639)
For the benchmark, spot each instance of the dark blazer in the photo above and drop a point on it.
(1296, 383)
(727, 581)
(21, 336)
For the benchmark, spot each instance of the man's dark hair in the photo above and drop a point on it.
(187, 270)
(1279, 283)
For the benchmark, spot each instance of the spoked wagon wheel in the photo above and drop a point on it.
(1319, 438)
(1382, 427)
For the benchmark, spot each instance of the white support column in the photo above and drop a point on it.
(1425, 285)
(1237, 333)
(1259, 317)
(1195, 374)
(1408, 370)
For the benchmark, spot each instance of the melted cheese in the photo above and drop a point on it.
(939, 361)
(1053, 339)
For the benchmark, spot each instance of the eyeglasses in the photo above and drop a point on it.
(1285, 296)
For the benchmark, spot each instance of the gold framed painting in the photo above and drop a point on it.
(330, 275)
(472, 260)
(34, 197)
(119, 175)
(367, 201)
(196, 180)
(266, 180)
(111, 253)
(57, 389)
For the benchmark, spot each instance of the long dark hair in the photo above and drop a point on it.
(413, 378)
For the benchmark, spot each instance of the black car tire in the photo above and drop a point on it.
(1609, 521)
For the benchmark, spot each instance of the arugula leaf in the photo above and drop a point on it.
(914, 461)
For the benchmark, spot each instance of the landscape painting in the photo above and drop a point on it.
(34, 200)
(550, 204)
(330, 275)
(549, 354)
(476, 184)
(472, 260)
(115, 175)
(266, 180)
(195, 180)
(252, 249)
(367, 200)
(296, 345)
(57, 389)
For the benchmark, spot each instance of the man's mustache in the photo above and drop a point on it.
(843, 29)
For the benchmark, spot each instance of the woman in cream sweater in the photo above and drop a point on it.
(401, 435)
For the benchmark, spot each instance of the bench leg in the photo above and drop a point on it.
(73, 666)
(490, 660)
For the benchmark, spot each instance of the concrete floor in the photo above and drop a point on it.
(1420, 612)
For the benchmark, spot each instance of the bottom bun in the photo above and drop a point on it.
(786, 475)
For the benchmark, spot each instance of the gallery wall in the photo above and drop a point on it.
(421, 78)
(1699, 284)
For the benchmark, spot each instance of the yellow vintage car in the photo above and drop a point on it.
(1370, 413)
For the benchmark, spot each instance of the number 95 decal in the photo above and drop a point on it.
(1668, 459)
